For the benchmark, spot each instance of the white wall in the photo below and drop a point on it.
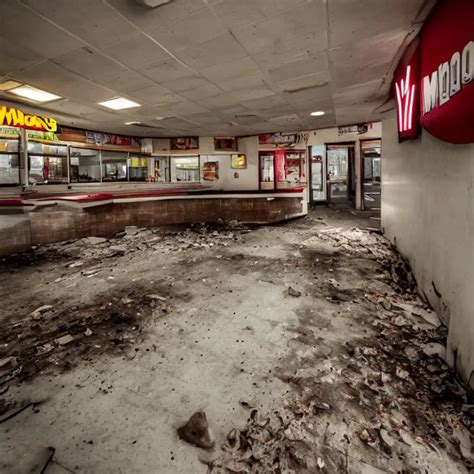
(247, 179)
(428, 210)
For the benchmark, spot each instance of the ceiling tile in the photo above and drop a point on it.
(313, 80)
(103, 28)
(221, 49)
(14, 56)
(230, 69)
(279, 32)
(138, 51)
(91, 64)
(55, 79)
(237, 13)
(190, 31)
(167, 70)
(150, 19)
(202, 92)
(298, 67)
(349, 20)
(156, 95)
(30, 31)
(128, 81)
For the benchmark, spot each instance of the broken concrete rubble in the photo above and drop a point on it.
(196, 431)
(346, 379)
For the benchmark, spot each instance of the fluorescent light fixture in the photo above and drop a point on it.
(319, 113)
(119, 103)
(7, 85)
(133, 122)
(34, 94)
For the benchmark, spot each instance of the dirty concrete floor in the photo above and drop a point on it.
(348, 376)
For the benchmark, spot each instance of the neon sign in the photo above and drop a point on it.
(405, 100)
(448, 79)
(16, 118)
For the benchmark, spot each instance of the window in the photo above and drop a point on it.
(114, 166)
(47, 163)
(161, 170)
(137, 168)
(85, 165)
(185, 169)
(9, 161)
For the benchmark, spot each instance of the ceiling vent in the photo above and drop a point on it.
(152, 3)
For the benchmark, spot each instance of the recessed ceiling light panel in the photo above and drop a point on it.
(119, 103)
(8, 85)
(318, 113)
(32, 93)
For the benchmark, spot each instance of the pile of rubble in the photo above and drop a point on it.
(390, 391)
(399, 385)
(370, 244)
(60, 338)
(133, 239)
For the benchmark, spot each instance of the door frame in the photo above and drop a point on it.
(348, 144)
(362, 170)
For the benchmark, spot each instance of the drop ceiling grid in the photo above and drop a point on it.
(284, 60)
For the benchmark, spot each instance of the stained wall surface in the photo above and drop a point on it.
(428, 211)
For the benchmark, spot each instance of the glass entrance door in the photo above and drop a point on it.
(338, 174)
(371, 160)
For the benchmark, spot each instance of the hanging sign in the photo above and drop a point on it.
(16, 118)
(447, 72)
(280, 138)
(101, 139)
(357, 129)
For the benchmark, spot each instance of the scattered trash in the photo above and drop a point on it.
(293, 292)
(386, 438)
(196, 431)
(402, 373)
(434, 348)
(8, 362)
(36, 314)
(131, 230)
(16, 410)
(95, 240)
(63, 340)
(87, 332)
(156, 297)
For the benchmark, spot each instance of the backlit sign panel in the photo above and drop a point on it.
(447, 72)
(13, 117)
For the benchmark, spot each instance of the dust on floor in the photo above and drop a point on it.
(304, 344)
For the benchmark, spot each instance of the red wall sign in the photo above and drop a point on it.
(407, 93)
(443, 72)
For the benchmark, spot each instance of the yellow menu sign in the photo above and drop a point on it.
(16, 118)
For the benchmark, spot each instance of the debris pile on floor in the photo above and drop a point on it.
(371, 245)
(200, 236)
(391, 390)
(343, 368)
(60, 337)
